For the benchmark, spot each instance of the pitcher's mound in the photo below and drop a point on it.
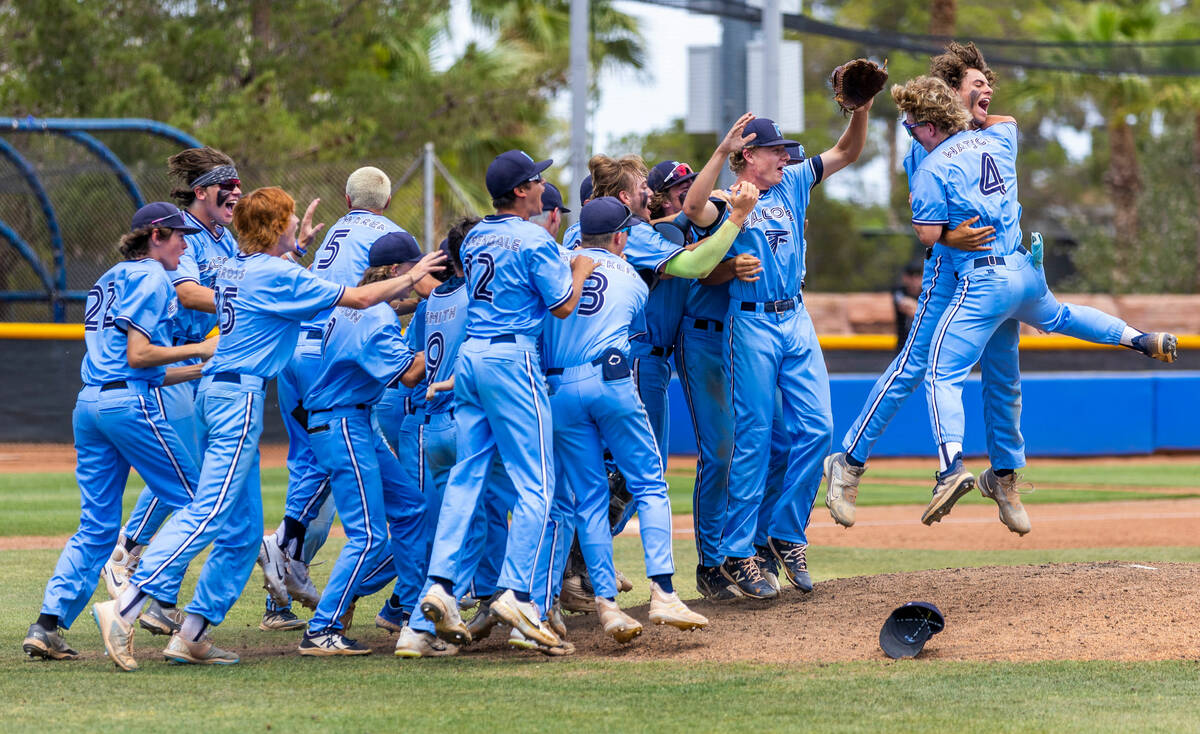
(1123, 610)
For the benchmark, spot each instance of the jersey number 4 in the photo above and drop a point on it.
(990, 180)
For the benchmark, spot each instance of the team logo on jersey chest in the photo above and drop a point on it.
(776, 237)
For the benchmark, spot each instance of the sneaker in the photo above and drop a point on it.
(791, 558)
(950, 487)
(669, 609)
(274, 566)
(524, 616)
(713, 585)
(555, 619)
(47, 644)
(299, 584)
(521, 642)
(391, 618)
(280, 620)
(748, 578)
(441, 608)
(116, 633)
(482, 623)
(159, 620)
(842, 490)
(623, 582)
(414, 644)
(1157, 345)
(330, 642)
(1003, 490)
(574, 598)
(767, 566)
(615, 622)
(119, 567)
(183, 652)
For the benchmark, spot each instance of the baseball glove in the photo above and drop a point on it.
(856, 82)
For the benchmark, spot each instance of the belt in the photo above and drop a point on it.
(598, 361)
(233, 377)
(115, 385)
(983, 262)
(504, 339)
(708, 325)
(337, 408)
(641, 349)
(430, 416)
(786, 304)
(313, 333)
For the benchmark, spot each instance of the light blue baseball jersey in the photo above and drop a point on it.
(516, 273)
(361, 353)
(972, 173)
(611, 307)
(708, 301)
(414, 338)
(445, 330)
(774, 233)
(571, 237)
(261, 301)
(646, 249)
(345, 252)
(131, 295)
(205, 253)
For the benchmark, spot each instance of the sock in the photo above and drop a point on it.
(48, 622)
(949, 453)
(293, 536)
(522, 596)
(1003, 472)
(193, 627)
(129, 605)
(664, 582)
(854, 462)
(1128, 335)
(394, 601)
(131, 544)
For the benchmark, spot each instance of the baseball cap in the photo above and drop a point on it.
(909, 627)
(795, 154)
(162, 214)
(552, 199)
(510, 169)
(666, 174)
(394, 248)
(766, 132)
(585, 188)
(605, 216)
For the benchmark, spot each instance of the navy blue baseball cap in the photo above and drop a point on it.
(510, 169)
(162, 214)
(767, 133)
(605, 216)
(668, 173)
(552, 199)
(585, 188)
(394, 248)
(795, 154)
(909, 627)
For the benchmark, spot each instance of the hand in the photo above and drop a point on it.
(721, 194)
(745, 196)
(733, 139)
(969, 239)
(207, 348)
(308, 232)
(746, 267)
(582, 263)
(426, 265)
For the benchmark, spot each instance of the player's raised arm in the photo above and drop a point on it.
(385, 290)
(696, 206)
(850, 146)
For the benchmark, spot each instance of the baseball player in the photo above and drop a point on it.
(553, 210)
(515, 274)
(361, 353)
(964, 69)
(127, 329)
(208, 188)
(772, 344)
(262, 300)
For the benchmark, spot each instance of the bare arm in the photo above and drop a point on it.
(850, 146)
(581, 267)
(929, 234)
(437, 387)
(196, 297)
(140, 353)
(696, 205)
(415, 372)
(176, 375)
(386, 290)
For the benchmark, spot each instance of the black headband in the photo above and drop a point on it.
(220, 174)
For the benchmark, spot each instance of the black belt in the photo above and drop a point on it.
(982, 262)
(430, 416)
(504, 339)
(325, 426)
(786, 304)
(115, 385)
(708, 325)
(233, 377)
(314, 333)
(595, 363)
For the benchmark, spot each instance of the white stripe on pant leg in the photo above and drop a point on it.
(221, 496)
(919, 318)
(933, 360)
(183, 480)
(362, 499)
(546, 489)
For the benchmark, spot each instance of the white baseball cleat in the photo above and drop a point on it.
(299, 584)
(204, 652)
(521, 642)
(119, 567)
(524, 615)
(841, 492)
(669, 609)
(116, 633)
(441, 608)
(616, 623)
(414, 644)
(274, 566)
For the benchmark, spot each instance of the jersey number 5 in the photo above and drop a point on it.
(225, 297)
(990, 180)
(330, 253)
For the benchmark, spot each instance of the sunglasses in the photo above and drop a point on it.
(676, 173)
(908, 127)
(535, 179)
(230, 185)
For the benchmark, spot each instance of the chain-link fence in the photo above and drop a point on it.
(93, 208)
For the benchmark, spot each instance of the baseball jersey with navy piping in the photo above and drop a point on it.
(345, 252)
(445, 330)
(611, 307)
(205, 253)
(414, 339)
(972, 173)
(130, 295)
(361, 353)
(516, 273)
(571, 237)
(774, 233)
(261, 301)
(708, 301)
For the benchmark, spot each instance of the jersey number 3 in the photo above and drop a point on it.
(990, 180)
(591, 298)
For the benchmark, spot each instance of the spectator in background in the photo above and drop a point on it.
(904, 299)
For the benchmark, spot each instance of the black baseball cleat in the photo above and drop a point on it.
(713, 585)
(791, 559)
(767, 566)
(745, 573)
(1158, 345)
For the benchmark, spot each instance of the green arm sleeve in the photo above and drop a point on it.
(698, 263)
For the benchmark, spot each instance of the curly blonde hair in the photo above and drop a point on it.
(929, 99)
(611, 176)
(952, 65)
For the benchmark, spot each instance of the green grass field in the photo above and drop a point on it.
(284, 692)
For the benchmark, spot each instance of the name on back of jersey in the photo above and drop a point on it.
(361, 220)
(975, 142)
(441, 316)
(497, 240)
(231, 271)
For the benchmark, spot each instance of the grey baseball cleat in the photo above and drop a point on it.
(414, 644)
(299, 584)
(951, 486)
(280, 620)
(159, 620)
(1158, 345)
(482, 623)
(841, 491)
(274, 567)
(1003, 490)
(47, 644)
(521, 642)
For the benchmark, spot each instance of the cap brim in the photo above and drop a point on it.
(186, 230)
(542, 165)
(676, 182)
(896, 644)
(772, 143)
